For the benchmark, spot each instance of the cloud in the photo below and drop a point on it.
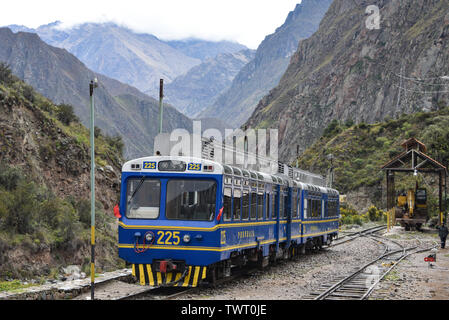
(245, 21)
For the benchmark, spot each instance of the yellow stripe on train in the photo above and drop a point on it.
(146, 276)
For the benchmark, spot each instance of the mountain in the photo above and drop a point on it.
(236, 105)
(350, 71)
(205, 50)
(193, 91)
(138, 59)
(44, 186)
(57, 74)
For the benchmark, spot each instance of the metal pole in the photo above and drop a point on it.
(93, 84)
(161, 107)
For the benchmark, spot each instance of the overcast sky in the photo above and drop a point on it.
(244, 21)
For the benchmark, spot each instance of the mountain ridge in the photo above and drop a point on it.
(346, 71)
(61, 77)
(272, 57)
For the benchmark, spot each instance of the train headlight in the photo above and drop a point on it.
(186, 238)
(149, 236)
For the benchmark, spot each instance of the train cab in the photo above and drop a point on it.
(168, 208)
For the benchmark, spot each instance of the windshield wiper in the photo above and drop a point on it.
(137, 189)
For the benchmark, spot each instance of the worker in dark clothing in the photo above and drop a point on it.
(443, 231)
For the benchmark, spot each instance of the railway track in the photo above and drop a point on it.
(128, 290)
(355, 235)
(360, 283)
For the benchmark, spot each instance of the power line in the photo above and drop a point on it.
(418, 80)
(416, 91)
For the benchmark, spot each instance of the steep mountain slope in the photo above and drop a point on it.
(44, 185)
(348, 71)
(272, 57)
(193, 91)
(60, 76)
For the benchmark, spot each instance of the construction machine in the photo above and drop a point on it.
(411, 208)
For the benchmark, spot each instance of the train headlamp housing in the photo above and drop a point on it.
(186, 238)
(149, 236)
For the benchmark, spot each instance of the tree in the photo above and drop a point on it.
(6, 76)
(65, 114)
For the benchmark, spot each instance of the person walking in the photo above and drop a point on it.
(443, 231)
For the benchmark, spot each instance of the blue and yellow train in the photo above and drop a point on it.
(183, 221)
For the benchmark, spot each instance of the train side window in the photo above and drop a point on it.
(227, 204)
(316, 206)
(237, 202)
(294, 203)
(274, 200)
(267, 206)
(260, 205)
(281, 206)
(286, 206)
(323, 208)
(253, 205)
(310, 206)
(245, 205)
(306, 208)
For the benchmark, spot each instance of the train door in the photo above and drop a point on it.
(275, 192)
(288, 210)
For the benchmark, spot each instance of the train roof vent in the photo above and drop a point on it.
(280, 168)
(290, 172)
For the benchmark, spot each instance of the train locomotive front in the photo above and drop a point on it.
(167, 229)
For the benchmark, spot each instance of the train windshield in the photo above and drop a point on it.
(143, 198)
(191, 199)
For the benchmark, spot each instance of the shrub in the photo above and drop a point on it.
(6, 76)
(375, 214)
(9, 177)
(116, 142)
(357, 220)
(332, 129)
(22, 208)
(97, 132)
(28, 93)
(65, 114)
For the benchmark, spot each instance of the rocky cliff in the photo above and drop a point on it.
(236, 104)
(350, 69)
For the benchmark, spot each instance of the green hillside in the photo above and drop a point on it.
(361, 150)
(44, 185)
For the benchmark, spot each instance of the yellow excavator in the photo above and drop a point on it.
(411, 208)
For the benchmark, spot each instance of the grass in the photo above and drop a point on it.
(14, 285)
(392, 276)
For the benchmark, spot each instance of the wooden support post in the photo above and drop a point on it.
(390, 190)
(440, 197)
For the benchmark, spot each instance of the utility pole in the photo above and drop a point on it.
(297, 156)
(161, 107)
(93, 84)
(331, 170)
